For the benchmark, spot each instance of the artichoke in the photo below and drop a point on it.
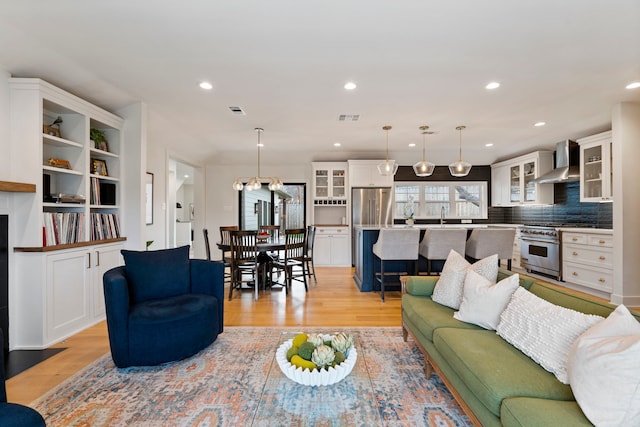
(342, 342)
(315, 339)
(322, 356)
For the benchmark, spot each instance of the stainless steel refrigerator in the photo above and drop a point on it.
(369, 206)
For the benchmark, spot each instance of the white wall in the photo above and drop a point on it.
(5, 115)
(157, 165)
(625, 129)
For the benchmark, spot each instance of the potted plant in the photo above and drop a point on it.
(99, 139)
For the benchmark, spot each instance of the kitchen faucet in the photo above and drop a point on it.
(441, 215)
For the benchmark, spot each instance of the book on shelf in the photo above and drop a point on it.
(105, 226)
(61, 228)
(102, 193)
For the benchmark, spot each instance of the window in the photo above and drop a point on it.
(466, 200)
(265, 207)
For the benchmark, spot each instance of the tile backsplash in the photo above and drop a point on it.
(567, 209)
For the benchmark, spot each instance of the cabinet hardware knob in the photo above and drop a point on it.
(601, 280)
(602, 257)
(575, 253)
(602, 242)
(575, 273)
(575, 239)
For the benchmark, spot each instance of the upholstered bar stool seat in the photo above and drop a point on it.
(484, 242)
(395, 245)
(438, 242)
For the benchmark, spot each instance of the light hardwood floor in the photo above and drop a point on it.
(334, 301)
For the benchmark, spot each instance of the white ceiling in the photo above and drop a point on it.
(285, 63)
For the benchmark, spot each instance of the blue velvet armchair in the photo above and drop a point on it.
(162, 306)
(14, 414)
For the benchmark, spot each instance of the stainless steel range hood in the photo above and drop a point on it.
(567, 164)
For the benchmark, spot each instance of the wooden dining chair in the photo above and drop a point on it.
(308, 254)
(244, 260)
(293, 262)
(225, 240)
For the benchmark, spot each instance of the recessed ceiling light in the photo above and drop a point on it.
(412, 144)
(634, 85)
(492, 85)
(538, 124)
(260, 144)
(350, 86)
(186, 176)
(336, 144)
(489, 144)
(206, 85)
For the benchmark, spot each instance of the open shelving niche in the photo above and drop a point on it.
(57, 286)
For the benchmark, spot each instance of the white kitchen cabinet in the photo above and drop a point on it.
(61, 293)
(596, 174)
(515, 178)
(500, 186)
(364, 173)
(331, 246)
(587, 259)
(330, 180)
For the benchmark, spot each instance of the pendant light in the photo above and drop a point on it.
(424, 168)
(255, 183)
(460, 168)
(388, 167)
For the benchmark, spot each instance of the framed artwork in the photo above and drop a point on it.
(149, 198)
(99, 167)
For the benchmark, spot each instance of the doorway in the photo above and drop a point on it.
(184, 201)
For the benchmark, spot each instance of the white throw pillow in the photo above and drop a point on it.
(483, 302)
(448, 289)
(542, 330)
(604, 370)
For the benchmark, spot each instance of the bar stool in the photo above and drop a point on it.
(485, 242)
(438, 242)
(395, 245)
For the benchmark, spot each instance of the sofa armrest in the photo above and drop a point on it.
(117, 305)
(420, 285)
(207, 277)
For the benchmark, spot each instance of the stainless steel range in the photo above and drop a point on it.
(540, 249)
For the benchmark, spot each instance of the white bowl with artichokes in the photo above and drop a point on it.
(317, 359)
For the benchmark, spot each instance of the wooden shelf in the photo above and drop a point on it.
(17, 187)
(68, 246)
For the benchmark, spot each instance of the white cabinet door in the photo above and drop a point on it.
(500, 186)
(340, 251)
(322, 250)
(103, 258)
(67, 294)
(364, 173)
(595, 168)
(360, 175)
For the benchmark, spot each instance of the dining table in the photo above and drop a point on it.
(264, 246)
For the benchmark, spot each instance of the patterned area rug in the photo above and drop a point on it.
(237, 382)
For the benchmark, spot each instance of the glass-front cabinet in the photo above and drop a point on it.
(515, 178)
(329, 181)
(596, 180)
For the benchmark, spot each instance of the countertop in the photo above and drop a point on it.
(586, 230)
(425, 226)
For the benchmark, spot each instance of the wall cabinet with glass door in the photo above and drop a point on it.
(596, 174)
(515, 178)
(330, 192)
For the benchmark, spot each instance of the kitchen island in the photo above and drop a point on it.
(366, 236)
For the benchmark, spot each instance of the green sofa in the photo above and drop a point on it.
(495, 383)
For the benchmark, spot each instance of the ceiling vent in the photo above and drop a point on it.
(238, 111)
(348, 117)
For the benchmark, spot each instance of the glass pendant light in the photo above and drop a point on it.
(388, 167)
(255, 183)
(460, 168)
(423, 167)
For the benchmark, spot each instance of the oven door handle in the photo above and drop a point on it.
(540, 241)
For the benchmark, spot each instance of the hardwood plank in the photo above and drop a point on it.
(334, 302)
